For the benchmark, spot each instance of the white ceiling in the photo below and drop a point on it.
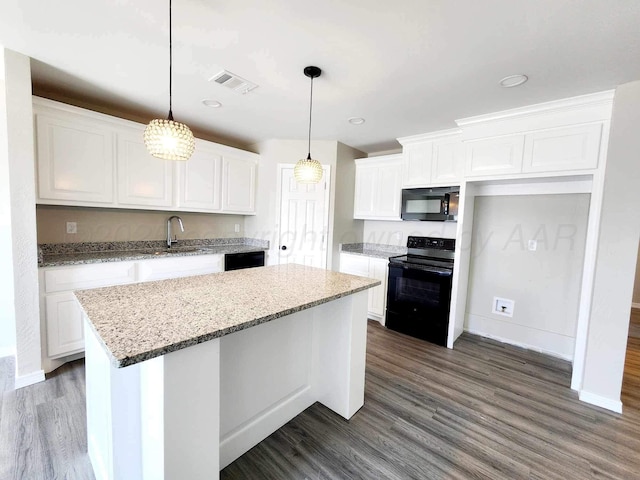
(406, 66)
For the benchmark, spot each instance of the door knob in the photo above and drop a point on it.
(283, 247)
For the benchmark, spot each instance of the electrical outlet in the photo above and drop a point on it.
(503, 306)
(236, 228)
(72, 227)
(533, 245)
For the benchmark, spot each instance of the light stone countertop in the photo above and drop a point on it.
(54, 255)
(376, 250)
(141, 321)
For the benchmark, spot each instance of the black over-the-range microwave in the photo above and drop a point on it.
(430, 204)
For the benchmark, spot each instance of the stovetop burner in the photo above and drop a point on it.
(428, 251)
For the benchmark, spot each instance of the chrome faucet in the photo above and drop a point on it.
(170, 241)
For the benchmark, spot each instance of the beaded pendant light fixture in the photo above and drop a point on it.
(308, 170)
(168, 139)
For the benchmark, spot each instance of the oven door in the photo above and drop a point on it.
(418, 303)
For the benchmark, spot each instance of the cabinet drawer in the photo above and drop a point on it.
(163, 268)
(65, 331)
(80, 277)
(354, 264)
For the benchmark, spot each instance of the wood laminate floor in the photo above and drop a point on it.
(631, 380)
(482, 410)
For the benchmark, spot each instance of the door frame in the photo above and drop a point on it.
(325, 224)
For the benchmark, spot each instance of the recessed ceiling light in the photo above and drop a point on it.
(356, 120)
(212, 103)
(513, 81)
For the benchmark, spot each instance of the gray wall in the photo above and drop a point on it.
(545, 284)
(636, 285)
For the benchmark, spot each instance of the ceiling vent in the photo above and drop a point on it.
(233, 82)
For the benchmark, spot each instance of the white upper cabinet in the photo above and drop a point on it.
(201, 180)
(494, 156)
(143, 180)
(86, 158)
(378, 188)
(433, 159)
(447, 165)
(74, 158)
(571, 148)
(417, 162)
(238, 184)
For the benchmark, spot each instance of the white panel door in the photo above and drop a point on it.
(304, 219)
(572, 148)
(201, 180)
(74, 159)
(238, 185)
(143, 180)
(495, 156)
(416, 159)
(65, 333)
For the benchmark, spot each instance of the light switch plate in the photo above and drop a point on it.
(533, 245)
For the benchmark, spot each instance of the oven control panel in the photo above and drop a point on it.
(431, 243)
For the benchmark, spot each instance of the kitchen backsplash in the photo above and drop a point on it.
(111, 225)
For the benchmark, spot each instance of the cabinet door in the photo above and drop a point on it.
(74, 159)
(143, 180)
(201, 180)
(572, 148)
(238, 185)
(447, 163)
(494, 156)
(365, 190)
(65, 333)
(416, 164)
(388, 192)
(378, 295)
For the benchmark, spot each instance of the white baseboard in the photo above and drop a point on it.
(29, 379)
(600, 401)
(249, 434)
(635, 305)
(555, 345)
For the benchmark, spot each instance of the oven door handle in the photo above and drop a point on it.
(426, 270)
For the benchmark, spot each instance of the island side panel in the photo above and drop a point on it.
(155, 420)
(339, 351)
(265, 381)
(192, 412)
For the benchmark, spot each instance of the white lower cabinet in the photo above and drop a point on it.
(61, 316)
(64, 329)
(372, 267)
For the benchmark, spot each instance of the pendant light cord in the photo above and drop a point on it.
(310, 107)
(170, 66)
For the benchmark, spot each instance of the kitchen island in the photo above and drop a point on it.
(185, 375)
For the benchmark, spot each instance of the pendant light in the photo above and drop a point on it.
(308, 170)
(168, 139)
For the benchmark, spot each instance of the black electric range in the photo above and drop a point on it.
(419, 289)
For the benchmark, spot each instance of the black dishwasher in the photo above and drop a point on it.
(236, 261)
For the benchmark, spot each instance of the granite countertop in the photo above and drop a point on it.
(54, 255)
(378, 250)
(141, 321)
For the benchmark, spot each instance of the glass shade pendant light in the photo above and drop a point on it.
(308, 170)
(168, 139)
